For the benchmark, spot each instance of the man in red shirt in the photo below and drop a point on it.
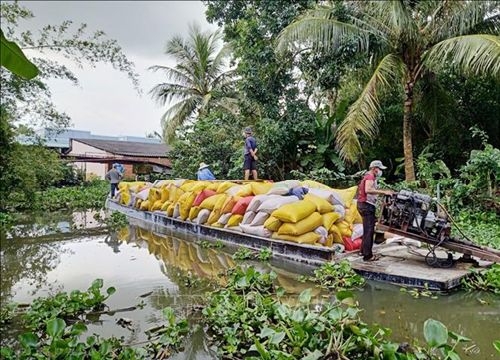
(367, 201)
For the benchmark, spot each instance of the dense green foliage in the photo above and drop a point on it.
(329, 79)
(485, 280)
(251, 318)
(337, 276)
(86, 196)
(248, 317)
(66, 306)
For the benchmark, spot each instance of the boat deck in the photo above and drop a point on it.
(397, 265)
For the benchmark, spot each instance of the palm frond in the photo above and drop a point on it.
(177, 115)
(455, 18)
(318, 28)
(395, 16)
(363, 113)
(165, 92)
(476, 54)
(176, 75)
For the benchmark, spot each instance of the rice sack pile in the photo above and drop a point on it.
(306, 212)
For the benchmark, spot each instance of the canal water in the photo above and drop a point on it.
(45, 254)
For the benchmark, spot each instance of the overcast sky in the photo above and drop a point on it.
(105, 101)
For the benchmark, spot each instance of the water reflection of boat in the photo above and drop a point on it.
(186, 256)
(205, 263)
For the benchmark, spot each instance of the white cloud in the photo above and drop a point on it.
(105, 102)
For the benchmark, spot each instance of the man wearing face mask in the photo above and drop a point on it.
(367, 201)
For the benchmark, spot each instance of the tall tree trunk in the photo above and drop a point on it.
(407, 136)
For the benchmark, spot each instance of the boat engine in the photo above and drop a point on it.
(415, 213)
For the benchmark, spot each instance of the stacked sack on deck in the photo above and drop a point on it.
(304, 212)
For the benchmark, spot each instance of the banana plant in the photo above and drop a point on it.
(14, 60)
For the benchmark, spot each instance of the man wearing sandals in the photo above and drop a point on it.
(367, 201)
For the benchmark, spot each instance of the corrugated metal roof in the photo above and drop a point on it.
(128, 148)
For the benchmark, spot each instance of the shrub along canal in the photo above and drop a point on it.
(43, 254)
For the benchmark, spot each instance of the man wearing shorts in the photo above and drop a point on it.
(250, 157)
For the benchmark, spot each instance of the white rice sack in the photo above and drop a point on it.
(179, 182)
(357, 231)
(160, 183)
(234, 228)
(177, 211)
(202, 216)
(270, 205)
(233, 190)
(282, 187)
(258, 200)
(323, 232)
(331, 196)
(256, 230)
(340, 209)
(248, 217)
(259, 219)
(143, 194)
(224, 218)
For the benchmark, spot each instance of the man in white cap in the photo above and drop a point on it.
(367, 201)
(204, 172)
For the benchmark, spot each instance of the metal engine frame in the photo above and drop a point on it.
(418, 216)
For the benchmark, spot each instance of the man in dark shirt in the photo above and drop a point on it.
(250, 154)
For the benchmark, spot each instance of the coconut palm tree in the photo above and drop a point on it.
(414, 39)
(199, 82)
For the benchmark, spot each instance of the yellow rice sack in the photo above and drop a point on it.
(329, 241)
(145, 205)
(315, 185)
(272, 223)
(322, 205)
(261, 188)
(213, 186)
(164, 194)
(136, 186)
(329, 219)
(217, 225)
(157, 205)
(345, 228)
(347, 195)
(193, 212)
(125, 197)
(138, 203)
(223, 187)
(303, 226)
(295, 211)
(307, 238)
(186, 201)
(187, 185)
(245, 190)
(165, 205)
(175, 193)
(199, 186)
(229, 204)
(234, 220)
(170, 210)
(335, 233)
(216, 212)
(209, 202)
(352, 214)
(154, 195)
(123, 185)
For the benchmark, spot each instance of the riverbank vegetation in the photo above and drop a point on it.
(247, 317)
(320, 110)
